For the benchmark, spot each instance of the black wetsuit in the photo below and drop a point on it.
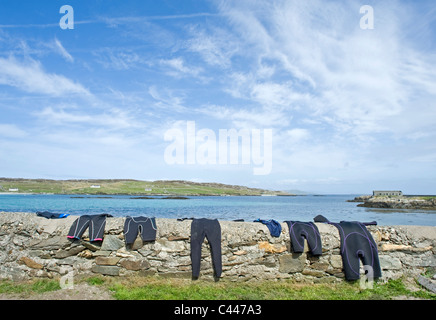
(356, 244)
(145, 226)
(96, 224)
(298, 231)
(211, 229)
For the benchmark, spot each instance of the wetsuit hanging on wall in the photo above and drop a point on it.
(298, 231)
(145, 226)
(210, 229)
(356, 244)
(274, 227)
(96, 224)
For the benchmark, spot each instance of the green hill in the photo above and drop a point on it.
(128, 186)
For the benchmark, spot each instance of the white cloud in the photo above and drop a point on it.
(118, 59)
(112, 119)
(62, 51)
(276, 94)
(30, 76)
(216, 47)
(167, 100)
(351, 79)
(178, 68)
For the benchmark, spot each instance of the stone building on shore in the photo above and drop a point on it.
(387, 193)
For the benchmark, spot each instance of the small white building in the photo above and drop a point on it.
(13, 189)
(387, 193)
(95, 186)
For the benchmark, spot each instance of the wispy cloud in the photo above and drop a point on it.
(117, 58)
(28, 75)
(114, 21)
(167, 100)
(216, 47)
(178, 68)
(348, 78)
(62, 51)
(112, 119)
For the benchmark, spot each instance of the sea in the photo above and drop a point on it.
(227, 208)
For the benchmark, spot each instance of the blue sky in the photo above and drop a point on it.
(351, 110)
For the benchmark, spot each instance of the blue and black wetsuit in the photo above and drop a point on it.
(51, 215)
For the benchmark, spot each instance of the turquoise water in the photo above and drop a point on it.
(300, 208)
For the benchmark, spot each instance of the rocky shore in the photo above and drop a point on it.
(396, 202)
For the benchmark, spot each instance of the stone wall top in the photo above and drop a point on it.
(173, 227)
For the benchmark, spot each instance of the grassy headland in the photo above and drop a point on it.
(129, 187)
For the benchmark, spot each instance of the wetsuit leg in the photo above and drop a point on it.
(96, 227)
(96, 224)
(78, 227)
(201, 228)
(148, 228)
(130, 230)
(213, 234)
(298, 231)
(197, 237)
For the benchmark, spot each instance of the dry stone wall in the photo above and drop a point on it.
(32, 246)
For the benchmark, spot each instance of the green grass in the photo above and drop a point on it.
(30, 287)
(155, 288)
(427, 198)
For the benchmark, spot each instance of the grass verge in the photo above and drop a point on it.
(155, 288)
(29, 287)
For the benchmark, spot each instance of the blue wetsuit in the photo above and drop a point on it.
(274, 226)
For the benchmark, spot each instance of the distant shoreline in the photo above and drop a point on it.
(141, 195)
(107, 187)
(24, 193)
